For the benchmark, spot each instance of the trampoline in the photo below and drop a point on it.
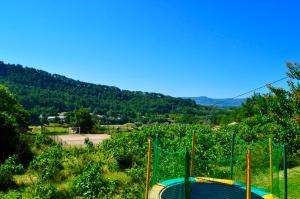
(165, 180)
(206, 188)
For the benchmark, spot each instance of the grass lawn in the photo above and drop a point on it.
(293, 182)
(50, 130)
(56, 130)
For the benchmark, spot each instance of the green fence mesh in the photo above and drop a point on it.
(167, 165)
(229, 162)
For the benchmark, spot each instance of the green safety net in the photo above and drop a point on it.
(228, 163)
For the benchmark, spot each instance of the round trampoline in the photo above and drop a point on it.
(206, 188)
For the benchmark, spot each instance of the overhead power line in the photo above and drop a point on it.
(253, 90)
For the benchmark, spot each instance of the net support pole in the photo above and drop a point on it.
(155, 163)
(271, 164)
(192, 154)
(248, 175)
(148, 169)
(285, 190)
(232, 155)
(187, 190)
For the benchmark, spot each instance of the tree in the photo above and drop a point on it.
(83, 119)
(44, 93)
(276, 114)
(13, 120)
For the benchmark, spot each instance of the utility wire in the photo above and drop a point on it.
(251, 91)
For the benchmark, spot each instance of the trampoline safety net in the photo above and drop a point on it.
(230, 163)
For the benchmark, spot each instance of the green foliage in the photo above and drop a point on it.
(9, 105)
(91, 184)
(40, 140)
(7, 170)
(276, 114)
(83, 119)
(48, 164)
(48, 94)
(11, 195)
(9, 135)
(44, 191)
(93, 172)
(88, 143)
(12, 166)
(6, 178)
(13, 120)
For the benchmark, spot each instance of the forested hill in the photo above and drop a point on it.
(43, 93)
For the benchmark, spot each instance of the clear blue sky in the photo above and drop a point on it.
(180, 48)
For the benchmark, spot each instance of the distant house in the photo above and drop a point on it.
(62, 113)
(61, 117)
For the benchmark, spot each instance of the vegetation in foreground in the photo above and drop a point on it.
(116, 168)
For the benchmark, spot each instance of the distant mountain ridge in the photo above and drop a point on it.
(44, 93)
(224, 103)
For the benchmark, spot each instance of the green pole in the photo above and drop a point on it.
(285, 172)
(187, 190)
(192, 154)
(232, 155)
(155, 164)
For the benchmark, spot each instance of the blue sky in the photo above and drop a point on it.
(180, 48)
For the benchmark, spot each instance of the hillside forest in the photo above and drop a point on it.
(34, 166)
(44, 94)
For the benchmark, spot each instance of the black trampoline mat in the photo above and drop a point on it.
(207, 191)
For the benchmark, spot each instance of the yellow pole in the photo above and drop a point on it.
(192, 154)
(148, 169)
(248, 176)
(271, 164)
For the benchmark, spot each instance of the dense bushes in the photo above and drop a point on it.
(43, 190)
(13, 121)
(90, 182)
(116, 168)
(276, 114)
(48, 164)
(7, 170)
(9, 136)
(39, 140)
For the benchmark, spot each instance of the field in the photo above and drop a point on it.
(60, 134)
(53, 129)
(78, 139)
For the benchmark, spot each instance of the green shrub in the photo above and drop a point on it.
(13, 120)
(7, 170)
(91, 184)
(41, 140)
(88, 143)
(6, 178)
(48, 164)
(42, 190)
(13, 166)
(13, 194)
